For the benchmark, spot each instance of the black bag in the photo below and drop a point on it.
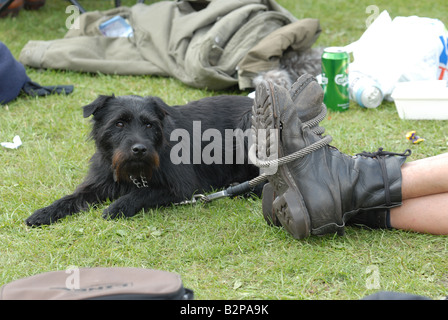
(98, 284)
(13, 80)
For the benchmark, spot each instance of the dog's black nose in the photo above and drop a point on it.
(139, 149)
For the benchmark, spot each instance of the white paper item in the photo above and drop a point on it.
(16, 142)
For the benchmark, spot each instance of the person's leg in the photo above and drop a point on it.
(425, 196)
(425, 177)
(427, 214)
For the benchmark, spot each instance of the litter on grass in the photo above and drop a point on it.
(16, 143)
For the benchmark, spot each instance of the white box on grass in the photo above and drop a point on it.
(421, 100)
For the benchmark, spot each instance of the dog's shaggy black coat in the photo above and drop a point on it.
(132, 136)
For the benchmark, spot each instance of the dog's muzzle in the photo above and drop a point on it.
(136, 164)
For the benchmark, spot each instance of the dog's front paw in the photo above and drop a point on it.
(118, 209)
(40, 217)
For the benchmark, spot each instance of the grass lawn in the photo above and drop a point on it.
(223, 250)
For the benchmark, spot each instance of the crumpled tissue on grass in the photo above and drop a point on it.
(16, 143)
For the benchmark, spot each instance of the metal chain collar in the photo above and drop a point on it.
(138, 184)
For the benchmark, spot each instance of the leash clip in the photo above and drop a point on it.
(196, 198)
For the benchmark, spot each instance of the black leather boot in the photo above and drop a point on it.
(370, 218)
(319, 188)
(307, 97)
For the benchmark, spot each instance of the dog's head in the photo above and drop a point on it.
(128, 133)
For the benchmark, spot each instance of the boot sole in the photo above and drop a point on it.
(268, 198)
(289, 206)
(300, 85)
(289, 211)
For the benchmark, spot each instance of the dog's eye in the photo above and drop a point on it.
(149, 125)
(119, 124)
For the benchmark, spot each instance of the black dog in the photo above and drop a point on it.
(137, 165)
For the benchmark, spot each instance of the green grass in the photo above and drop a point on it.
(223, 250)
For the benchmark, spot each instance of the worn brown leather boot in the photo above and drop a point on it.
(319, 188)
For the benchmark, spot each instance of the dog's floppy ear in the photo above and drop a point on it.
(100, 102)
(160, 107)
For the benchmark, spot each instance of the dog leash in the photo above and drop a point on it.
(248, 186)
(231, 191)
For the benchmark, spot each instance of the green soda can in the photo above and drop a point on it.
(335, 63)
